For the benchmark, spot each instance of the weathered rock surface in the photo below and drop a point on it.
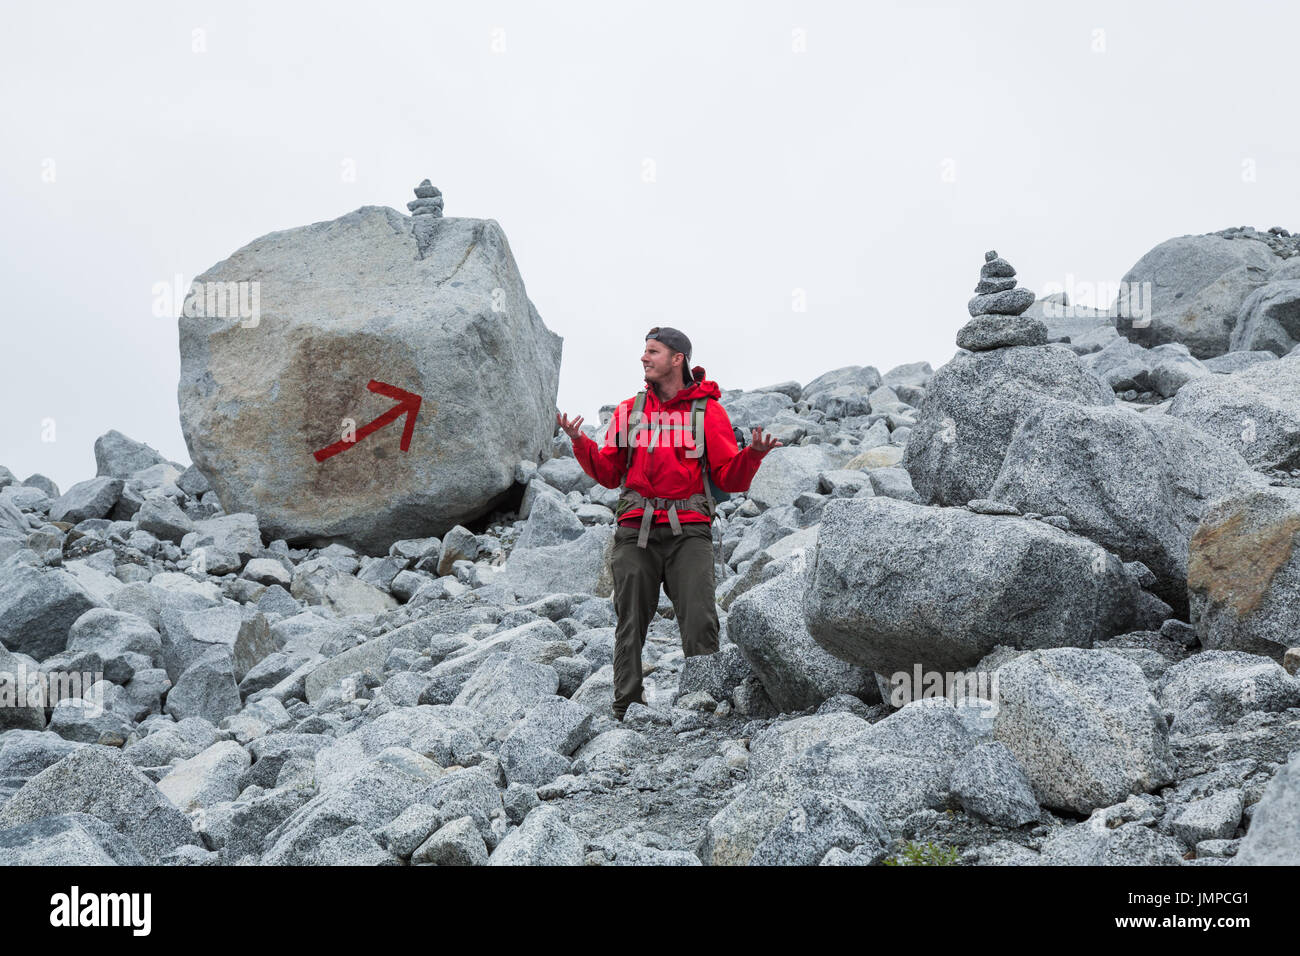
(1197, 286)
(1254, 411)
(1269, 318)
(894, 585)
(1243, 572)
(38, 607)
(451, 323)
(1085, 727)
(101, 782)
(1136, 485)
(1274, 835)
(974, 405)
(768, 625)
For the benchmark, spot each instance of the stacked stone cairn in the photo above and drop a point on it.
(426, 210)
(996, 311)
(428, 202)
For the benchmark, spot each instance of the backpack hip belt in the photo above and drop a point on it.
(634, 499)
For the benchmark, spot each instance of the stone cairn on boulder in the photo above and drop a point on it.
(426, 211)
(996, 320)
(427, 201)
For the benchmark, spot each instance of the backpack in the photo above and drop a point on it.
(711, 491)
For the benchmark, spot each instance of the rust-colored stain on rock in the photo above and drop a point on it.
(328, 377)
(1234, 561)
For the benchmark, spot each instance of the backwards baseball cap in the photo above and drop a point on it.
(676, 340)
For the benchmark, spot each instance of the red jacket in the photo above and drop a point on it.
(668, 471)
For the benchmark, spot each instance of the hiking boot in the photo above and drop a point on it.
(619, 712)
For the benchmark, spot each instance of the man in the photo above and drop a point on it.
(672, 544)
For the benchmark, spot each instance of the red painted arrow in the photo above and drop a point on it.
(408, 403)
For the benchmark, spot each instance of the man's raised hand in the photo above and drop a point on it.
(762, 442)
(571, 428)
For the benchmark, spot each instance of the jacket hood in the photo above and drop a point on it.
(700, 388)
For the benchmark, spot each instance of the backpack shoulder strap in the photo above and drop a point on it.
(697, 420)
(634, 424)
(698, 408)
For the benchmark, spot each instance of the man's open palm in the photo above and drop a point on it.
(763, 442)
(571, 428)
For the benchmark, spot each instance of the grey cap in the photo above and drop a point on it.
(676, 340)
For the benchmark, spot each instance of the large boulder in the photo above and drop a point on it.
(94, 498)
(317, 581)
(343, 303)
(1255, 411)
(23, 694)
(768, 625)
(579, 565)
(206, 689)
(787, 739)
(1085, 727)
(817, 823)
(896, 585)
(1274, 835)
(897, 767)
(1243, 573)
(1211, 690)
(1270, 317)
(756, 409)
(101, 782)
(543, 839)
(861, 377)
(1065, 319)
(208, 778)
(117, 456)
(188, 635)
(550, 522)
(371, 795)
(973, 406)
(38, 607)
(69, 839)
(1135, 484)
(1197, 285)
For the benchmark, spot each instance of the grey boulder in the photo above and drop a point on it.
(1243, 572)
(1197, 286)
(117, 456)
(990, 331)
(1084, 726)
(1254, 411)
(816, 823)
(94, 498)
(1269, 318)
(973, 406)
(543, 839)
(259, 396)
(789, 471)
(101, 782)
(164, 519)
(38, 607)
(1135, 484)
(883, 568)
(991, 785)
(1213, 689)
(767, 623)
(68, 839)
(1274, 835)
(206, 689)
(578, 565)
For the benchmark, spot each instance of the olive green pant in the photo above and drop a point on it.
(684, 565)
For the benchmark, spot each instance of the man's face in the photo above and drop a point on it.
(661, 363)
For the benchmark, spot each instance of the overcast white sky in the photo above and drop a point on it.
(871, 169)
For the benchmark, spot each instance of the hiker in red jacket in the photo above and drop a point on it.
(665, 514)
